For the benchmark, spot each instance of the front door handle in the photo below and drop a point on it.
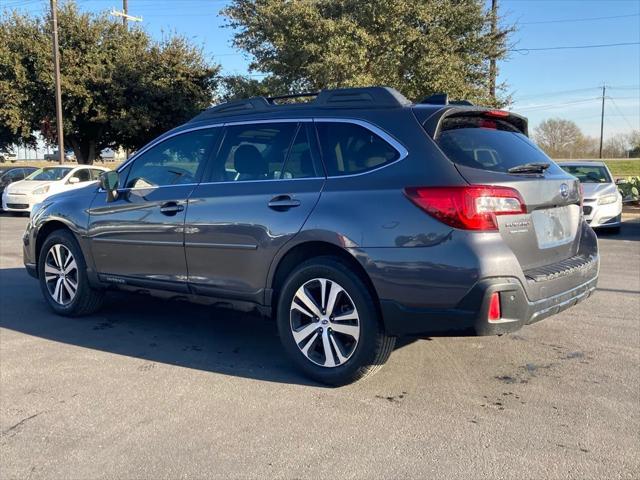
(171, 208)
(283, 202)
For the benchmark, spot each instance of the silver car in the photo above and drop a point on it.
(602, 205)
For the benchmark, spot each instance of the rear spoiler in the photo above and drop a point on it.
(433, 122)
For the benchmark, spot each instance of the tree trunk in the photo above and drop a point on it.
(85, 151)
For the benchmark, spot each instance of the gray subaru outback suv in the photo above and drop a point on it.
(352, 218)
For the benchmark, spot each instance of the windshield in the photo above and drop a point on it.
(588, 173)
(49, 173)
(487, 143)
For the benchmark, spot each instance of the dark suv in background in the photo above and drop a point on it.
(352, 218)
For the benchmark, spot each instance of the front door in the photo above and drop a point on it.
(263, 184)
(138, 239)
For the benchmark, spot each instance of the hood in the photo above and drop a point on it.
(593, 190)
(91, 187)
(26, 186)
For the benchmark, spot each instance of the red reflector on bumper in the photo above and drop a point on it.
(494, 307)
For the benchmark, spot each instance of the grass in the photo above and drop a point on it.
(624, 168)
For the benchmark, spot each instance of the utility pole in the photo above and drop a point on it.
(604, 90)
(493, 73)
(125, 10)
(56, 68)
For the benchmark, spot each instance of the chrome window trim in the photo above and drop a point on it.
(402, 151)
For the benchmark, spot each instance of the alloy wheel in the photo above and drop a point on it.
(61, 274)
(324, 322)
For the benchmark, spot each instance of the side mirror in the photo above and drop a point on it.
(74, 180)
(109, 183)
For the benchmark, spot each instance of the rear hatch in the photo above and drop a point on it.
(492, 148)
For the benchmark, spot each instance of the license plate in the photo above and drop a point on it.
(556, 226)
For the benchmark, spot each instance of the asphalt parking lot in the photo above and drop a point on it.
(163, 389)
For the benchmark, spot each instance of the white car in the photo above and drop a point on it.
(22, 196)
(602, 205)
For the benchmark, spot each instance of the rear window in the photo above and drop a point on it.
(348, 148)
(588, 173)
(487, 143)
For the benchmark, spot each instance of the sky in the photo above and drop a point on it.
(565, 83)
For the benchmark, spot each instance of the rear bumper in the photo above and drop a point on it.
(470, 316)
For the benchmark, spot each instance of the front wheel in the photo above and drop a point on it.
(62, 273)
(329, 324)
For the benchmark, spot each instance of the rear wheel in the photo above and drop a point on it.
(329, 323)
(62, 273)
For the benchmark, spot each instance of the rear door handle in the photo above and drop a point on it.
(283, 202)
(171, 208)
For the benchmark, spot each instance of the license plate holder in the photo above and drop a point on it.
(556, 226)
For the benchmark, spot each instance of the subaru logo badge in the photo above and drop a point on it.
(564, 190)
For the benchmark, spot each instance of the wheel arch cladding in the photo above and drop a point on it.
(314, 249)
(46, 230)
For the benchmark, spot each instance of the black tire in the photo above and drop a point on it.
(87, 300)
(373, 347)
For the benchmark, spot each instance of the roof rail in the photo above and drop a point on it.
(364, 97)
(271, 100)
(443, 99)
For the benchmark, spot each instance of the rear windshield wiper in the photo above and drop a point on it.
(529, 168)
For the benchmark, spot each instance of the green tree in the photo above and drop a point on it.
(561, 138)
(417, 46)
(241, 86)
(119, 88)
(15, 91)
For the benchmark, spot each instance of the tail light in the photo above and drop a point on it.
(494, 308)
(471, 207)
(497, 113)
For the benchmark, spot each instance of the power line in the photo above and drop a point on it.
(561, 104)
(571, 47)
(568, 20)
(613, 102)
(575, 90)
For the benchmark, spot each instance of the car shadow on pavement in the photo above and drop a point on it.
(630, 230)
(156, 330)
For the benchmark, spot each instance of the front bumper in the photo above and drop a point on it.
(470, 315)
(609, 215)
(20, 202)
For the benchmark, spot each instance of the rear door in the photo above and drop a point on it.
(261, 187)
(484, 145)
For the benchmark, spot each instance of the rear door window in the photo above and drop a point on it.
(299, 163)
(486, 143)
(253, 152)
(82, 174)
(348, 148)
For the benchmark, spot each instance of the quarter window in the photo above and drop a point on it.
(348, 148)
(175, 161)
(253, 152)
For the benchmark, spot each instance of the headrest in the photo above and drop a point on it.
(248, 160)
